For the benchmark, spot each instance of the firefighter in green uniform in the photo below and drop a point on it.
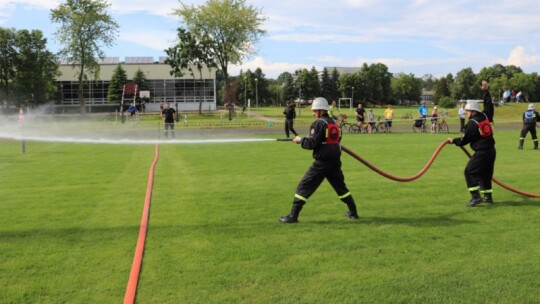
(324, 139)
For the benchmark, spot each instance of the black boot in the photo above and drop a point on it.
(521, 144)
(536, 144)
(488, 198)
(352, 213)
(293, 216)
(475, 199)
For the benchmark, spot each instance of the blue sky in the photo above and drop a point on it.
(411, 36)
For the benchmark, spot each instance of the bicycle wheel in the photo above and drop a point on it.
(354, 129)
(379, 128)
(443, 128)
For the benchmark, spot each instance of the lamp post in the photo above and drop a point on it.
(164, 92)
(256, 93)
(352, 97)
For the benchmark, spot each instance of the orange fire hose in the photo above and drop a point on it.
(426, 167)
(131, 289)
(392, 177)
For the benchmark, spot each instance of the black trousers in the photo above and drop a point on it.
(289, 127)
(528, 128)
(479, 170)
(317, 172)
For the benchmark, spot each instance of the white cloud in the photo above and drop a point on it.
(156, 40)
(519, 57)
(270, 69)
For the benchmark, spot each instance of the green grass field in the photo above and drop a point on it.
(70, 217)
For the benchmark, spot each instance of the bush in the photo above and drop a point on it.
(446, 102)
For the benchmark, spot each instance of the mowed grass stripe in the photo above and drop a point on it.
(70, 217)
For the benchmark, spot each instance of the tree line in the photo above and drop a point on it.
(215, 35)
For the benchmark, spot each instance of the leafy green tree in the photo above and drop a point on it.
(535, 95)
(314, 82)
(142, 83)
(428, 82)
(466, 85)
(512, 70)
(307, 83)
(191, 54)
(261, 86)
(85, 27)
(375, 83)
(36, 68)
(491, 73)
(524, 83)
(231, 28)
(442, 89)
(406, 87)
(8, 59)
(334, 86)
(351, 84)
(286, 81)
(327, 86)
(118, 79)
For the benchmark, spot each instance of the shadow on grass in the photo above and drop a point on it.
(523, 202)
(424, 221)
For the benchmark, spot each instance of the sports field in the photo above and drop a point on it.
(70, 215)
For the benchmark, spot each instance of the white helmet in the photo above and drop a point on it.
(531, 107)
(472, 106)
(320, 103)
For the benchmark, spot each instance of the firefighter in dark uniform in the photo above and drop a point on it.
(290, 115)
(479, 134)
(530, 117)
(324, 139)
(168, 116)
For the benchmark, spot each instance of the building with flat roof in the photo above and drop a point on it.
(185, 91)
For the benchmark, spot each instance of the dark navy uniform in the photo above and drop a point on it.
(530, 117)
(479, 170)
(290, 115)
(168, 113)
(324, 140)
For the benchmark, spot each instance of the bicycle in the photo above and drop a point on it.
(419, 125)
(343, 124)
(358, 129)
(379, 126)
(441, 124)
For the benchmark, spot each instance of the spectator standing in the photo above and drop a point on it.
(371, 120)
(461, 114)
(388, 118)
(331, 110)
(422, 111)
(434, 118)
(486, 97)
(530, 118)
(519, 96)
(360, 116)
